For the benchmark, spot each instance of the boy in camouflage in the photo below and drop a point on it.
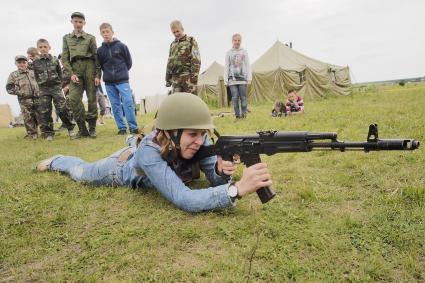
(32, 54)
(48, 73)
(22, 84)
(184, 61)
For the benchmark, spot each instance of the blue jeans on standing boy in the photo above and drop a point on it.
(239, 91)
(117, 93)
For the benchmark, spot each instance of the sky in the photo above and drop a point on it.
(377, 39)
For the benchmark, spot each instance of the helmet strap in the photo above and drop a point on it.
(176, 139)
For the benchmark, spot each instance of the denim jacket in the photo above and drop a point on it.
(158, 174)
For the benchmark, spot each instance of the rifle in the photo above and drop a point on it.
(248, 148)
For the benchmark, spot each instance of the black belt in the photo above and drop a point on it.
(75, 59)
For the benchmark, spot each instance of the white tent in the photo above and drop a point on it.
(6, 115)
(151, 103)
(211, 86)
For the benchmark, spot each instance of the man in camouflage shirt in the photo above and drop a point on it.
(48, 73)
(184, 61)
(80, 62)
(22, 84)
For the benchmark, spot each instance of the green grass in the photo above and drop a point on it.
(337, 216)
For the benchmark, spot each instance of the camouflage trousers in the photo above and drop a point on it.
(85, 70)
(184, 83)
(47, 96)
(30, 108)
(68, 104)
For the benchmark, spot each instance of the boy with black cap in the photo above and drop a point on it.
(80, 62)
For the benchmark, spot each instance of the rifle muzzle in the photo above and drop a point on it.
(397, 144)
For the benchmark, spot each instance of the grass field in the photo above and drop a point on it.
(348, 216)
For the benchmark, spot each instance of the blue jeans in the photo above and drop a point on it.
(104, 172)
(117, 93)
(239, 91)
(100, 173)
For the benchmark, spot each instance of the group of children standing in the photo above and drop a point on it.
(41, 80)
(37, 83)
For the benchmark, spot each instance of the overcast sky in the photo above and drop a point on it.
(378, 40)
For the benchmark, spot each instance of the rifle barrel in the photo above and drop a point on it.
(367, 146)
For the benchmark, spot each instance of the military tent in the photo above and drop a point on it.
(282, 68)
(211, 86)
(151, 103)
(6, 115)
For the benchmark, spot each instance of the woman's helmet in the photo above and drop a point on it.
(183, 111)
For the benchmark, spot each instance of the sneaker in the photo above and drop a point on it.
(71, 133)
(243, 116)
(128, 138)
(49, 138)
(134, 131)
(122, 132)
(34, 136)
(80, 135)
(92, 133)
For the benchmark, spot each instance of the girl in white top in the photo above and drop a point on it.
(237, 74)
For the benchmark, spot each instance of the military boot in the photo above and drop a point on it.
(92, 129)
(82, 131)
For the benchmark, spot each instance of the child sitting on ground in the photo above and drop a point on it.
(294, 104)
(279, 109)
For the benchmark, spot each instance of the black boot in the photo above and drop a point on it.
(92, 129)
(82, 131)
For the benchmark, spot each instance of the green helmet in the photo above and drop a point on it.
(183, 111)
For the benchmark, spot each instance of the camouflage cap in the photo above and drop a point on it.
(20, 57)
(78, 15)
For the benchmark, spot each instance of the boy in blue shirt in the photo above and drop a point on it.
(115, 61)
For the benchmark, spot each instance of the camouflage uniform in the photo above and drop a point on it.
(48, 74)
(184, 63)
(24, 86)
(79, 58)
(30, 65)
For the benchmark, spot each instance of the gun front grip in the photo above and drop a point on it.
(265, 193)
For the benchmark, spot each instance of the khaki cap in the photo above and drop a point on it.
(78, 15)
(21, 57)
